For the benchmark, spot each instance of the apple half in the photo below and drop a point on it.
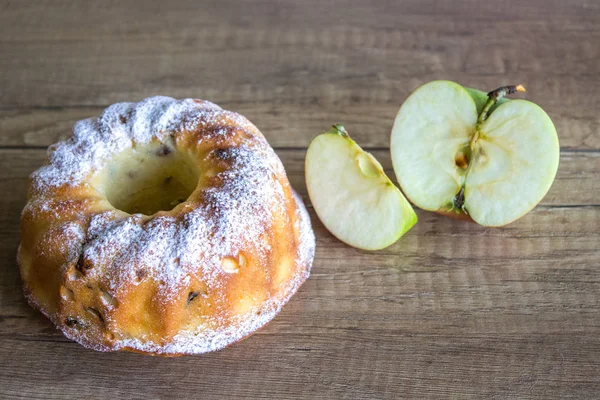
(351, 194)
(457, 150)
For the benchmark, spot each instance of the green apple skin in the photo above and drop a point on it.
(480, 98)
(513, 154)
(351, 194)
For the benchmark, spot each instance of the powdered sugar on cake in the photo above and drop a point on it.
(168, 248)
(204, 340)
(123, 125)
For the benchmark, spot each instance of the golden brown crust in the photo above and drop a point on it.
(190, 280)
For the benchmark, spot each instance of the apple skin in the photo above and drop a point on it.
(480, 98)
(463, 216)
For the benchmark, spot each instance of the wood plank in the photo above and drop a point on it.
(328, 73)
(284, 125)
(277, 57)
(400, 364)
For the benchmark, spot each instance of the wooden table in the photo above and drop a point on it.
(452, 310)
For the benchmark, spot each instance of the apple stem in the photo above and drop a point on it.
(496, 95)
(493, 98)
(339, 130)
(459, 199)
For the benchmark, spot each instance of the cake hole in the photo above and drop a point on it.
(230, 265)
(148, 179)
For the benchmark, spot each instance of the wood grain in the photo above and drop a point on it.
(452, 310)
(284, 125)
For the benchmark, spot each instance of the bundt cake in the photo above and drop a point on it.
(163, 227)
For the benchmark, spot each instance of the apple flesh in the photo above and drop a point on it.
(351, 194)
(458, 150)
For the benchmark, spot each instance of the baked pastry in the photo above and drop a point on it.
(163, 227)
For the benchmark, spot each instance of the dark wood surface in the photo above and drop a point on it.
(452, 310)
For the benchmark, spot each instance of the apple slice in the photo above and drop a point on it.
(493, 160)
(351, 194)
